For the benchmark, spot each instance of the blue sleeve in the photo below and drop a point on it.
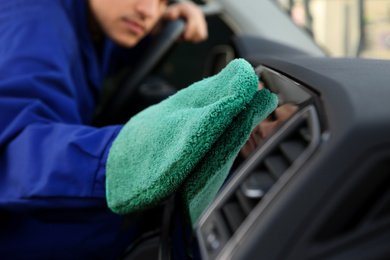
(48, 153)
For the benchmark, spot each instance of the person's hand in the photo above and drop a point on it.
(196, 29)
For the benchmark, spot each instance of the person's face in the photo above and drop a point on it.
(126, 22)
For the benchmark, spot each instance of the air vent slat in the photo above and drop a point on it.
(253, 189)
(234, 214)
(276, 164)
(305, 133)
(257, 184)
(292, 149)
(246, 203)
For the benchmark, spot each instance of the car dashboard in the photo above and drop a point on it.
(318, 186)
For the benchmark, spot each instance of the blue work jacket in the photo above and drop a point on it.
(52, 163)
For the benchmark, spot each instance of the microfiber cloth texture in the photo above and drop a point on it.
(202, 185)
(158, 148)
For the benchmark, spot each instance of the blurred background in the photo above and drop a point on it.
(353, 28)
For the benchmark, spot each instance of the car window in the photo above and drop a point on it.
(352, 28)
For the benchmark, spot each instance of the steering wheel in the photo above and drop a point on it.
(115, 107)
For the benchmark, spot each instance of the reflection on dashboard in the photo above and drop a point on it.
(266, 127)
(291, 98)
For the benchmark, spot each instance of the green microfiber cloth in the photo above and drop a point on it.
(208, 176)
(158, 148)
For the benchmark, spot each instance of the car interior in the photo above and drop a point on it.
(316, 188)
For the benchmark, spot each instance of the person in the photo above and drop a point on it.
(54, 55)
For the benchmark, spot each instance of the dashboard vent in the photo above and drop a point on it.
(273, 166)
(280, 156)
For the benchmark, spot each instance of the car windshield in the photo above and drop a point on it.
(344, 28)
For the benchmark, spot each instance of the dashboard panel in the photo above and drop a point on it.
(318, 187)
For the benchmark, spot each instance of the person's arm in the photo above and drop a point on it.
(49, 157)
